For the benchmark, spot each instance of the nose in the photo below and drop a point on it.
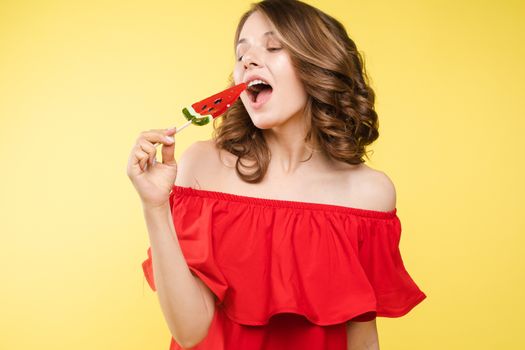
(250, 59)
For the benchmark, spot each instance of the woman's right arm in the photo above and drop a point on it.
(181, 298)
(187, 304)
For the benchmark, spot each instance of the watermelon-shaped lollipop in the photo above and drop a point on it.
(202, 112)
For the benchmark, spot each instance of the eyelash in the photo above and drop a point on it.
(271, 49)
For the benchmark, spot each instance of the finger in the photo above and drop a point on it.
(170, 131)
(168, 154)
(133, 155)
(149, 149)
(142, 158)
(155, 136)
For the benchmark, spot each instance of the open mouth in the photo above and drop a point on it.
(259, 91)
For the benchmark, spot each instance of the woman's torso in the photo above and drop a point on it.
(327, 183)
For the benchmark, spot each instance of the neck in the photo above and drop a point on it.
(288, 149)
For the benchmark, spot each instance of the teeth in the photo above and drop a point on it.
(257, 81)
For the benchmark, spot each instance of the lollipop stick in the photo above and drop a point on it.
(185, 125)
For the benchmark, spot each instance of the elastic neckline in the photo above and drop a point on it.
(281, 203)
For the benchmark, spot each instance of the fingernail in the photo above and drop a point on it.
(169, 139)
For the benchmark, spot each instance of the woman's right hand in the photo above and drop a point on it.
(153, 180)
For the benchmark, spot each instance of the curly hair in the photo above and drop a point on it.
(339, 111)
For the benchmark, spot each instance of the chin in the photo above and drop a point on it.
(264, 121)
(261, 123)
(264, 126)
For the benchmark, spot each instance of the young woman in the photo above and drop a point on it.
(274, 234)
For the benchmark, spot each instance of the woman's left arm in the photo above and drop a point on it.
(362, 336)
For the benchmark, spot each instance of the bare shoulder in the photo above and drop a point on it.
(375, 189)
(192, 162)
(199, 164)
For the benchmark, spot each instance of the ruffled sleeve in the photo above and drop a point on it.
(395, 291)
(193, 224)
(147, 268)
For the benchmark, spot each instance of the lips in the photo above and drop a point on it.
(253, 77)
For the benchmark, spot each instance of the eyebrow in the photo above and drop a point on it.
(244, 40)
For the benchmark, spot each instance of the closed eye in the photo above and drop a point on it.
(271, 49)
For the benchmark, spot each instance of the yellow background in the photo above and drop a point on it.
(80, 79)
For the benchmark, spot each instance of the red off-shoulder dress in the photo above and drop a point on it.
(288, 275)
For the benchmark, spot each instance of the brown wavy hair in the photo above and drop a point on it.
(339, 111)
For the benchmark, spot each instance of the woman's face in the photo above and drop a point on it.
(260, 53)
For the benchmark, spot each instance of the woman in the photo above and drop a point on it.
(274, 234)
